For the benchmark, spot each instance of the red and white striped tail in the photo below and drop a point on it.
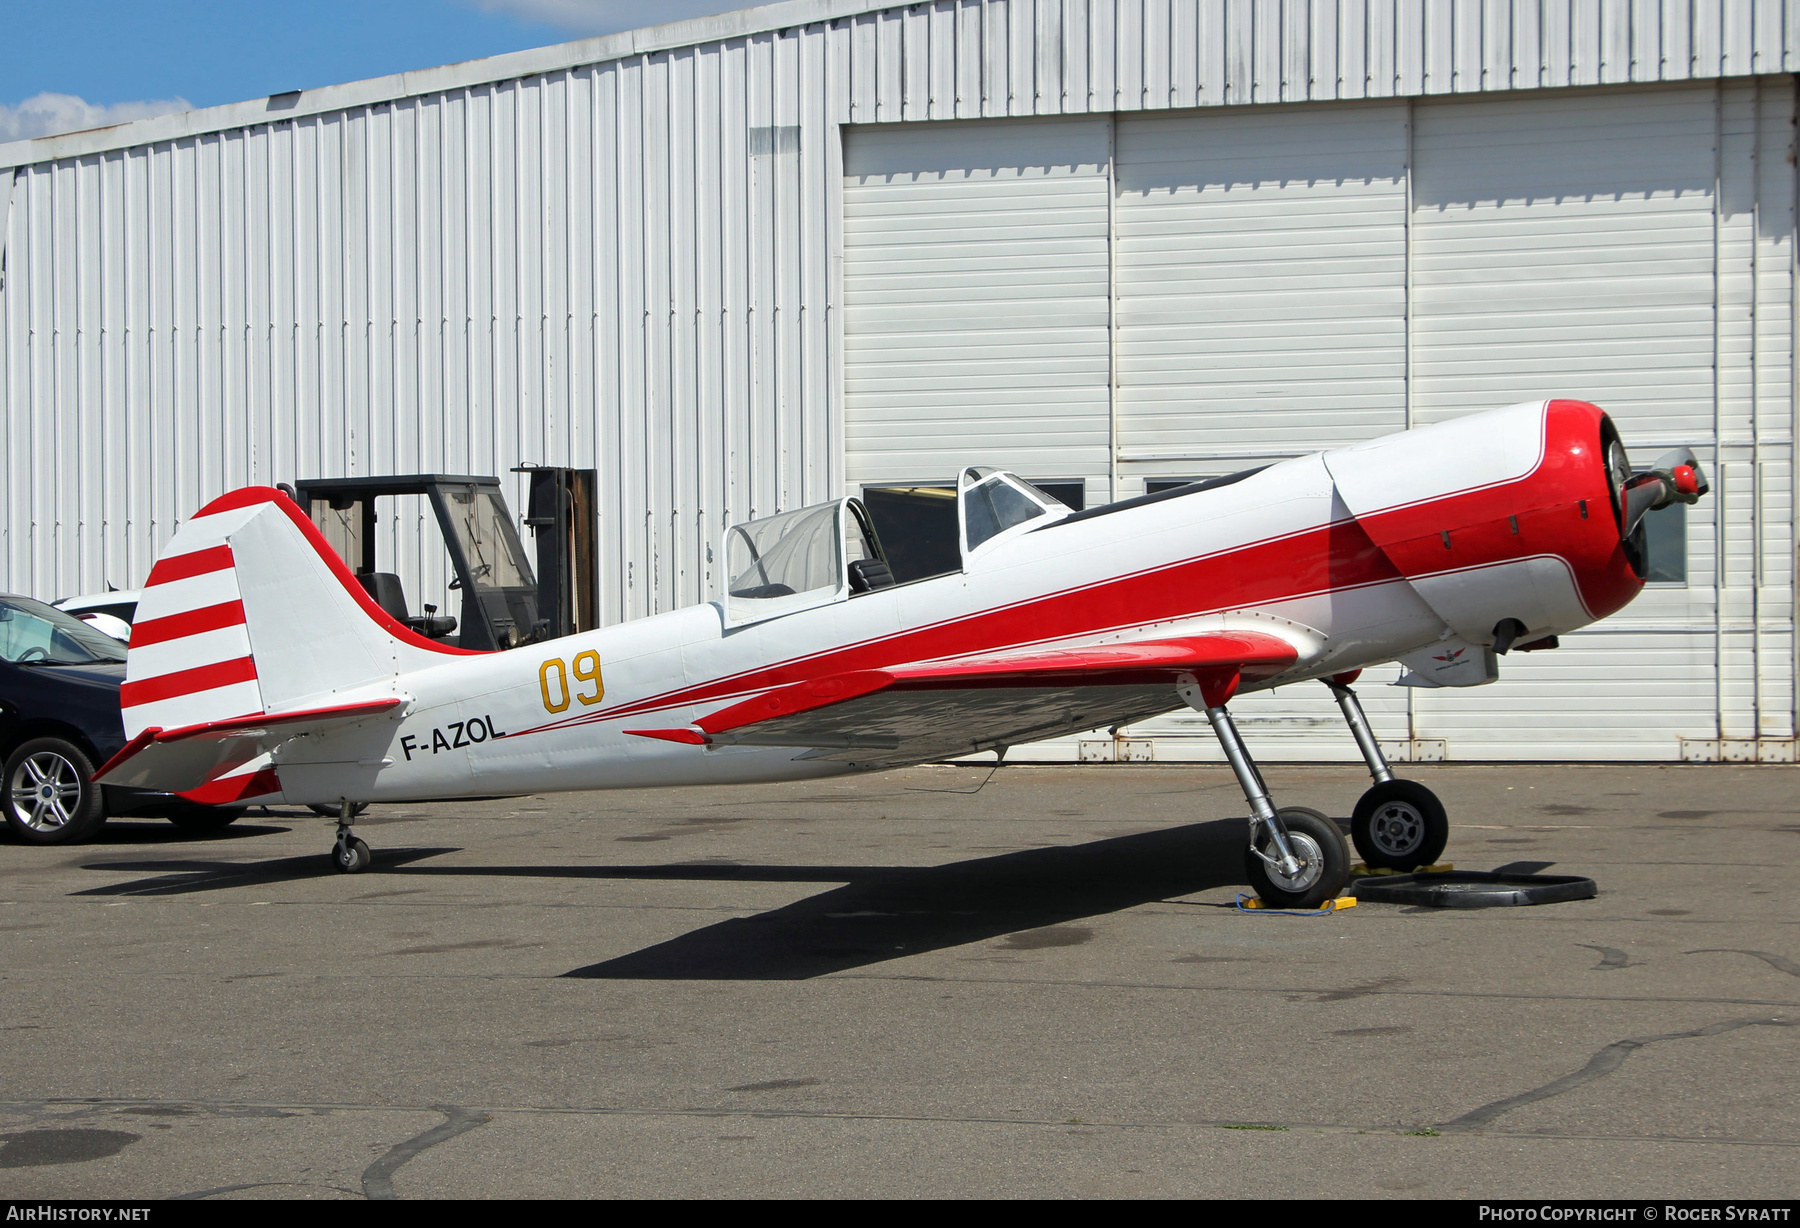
(191, 663)
(250, 613)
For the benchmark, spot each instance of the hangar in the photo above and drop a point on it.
(743, 263)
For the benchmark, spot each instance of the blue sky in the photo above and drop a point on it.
(68, 64)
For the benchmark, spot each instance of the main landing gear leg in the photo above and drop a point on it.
(1297, 858)
(1398, 824)
(350, 854)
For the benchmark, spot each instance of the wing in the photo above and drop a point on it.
(938, 709)
(225, 761)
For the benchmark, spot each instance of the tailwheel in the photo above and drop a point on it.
(1399, 825)
(1318, 846)
(351, 855)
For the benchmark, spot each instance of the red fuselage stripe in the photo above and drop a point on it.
(186, 623)
(187, 682)
(1335, 556)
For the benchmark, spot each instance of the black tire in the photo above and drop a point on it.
(351, 856)
(200, 819)
(48, 794)
(1399, 825)
(1322, 852)
(331, 812)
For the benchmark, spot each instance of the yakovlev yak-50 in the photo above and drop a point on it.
(260, 670)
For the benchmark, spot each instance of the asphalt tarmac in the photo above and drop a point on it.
(900, 986)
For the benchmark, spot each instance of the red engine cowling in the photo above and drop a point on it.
(1516, 524)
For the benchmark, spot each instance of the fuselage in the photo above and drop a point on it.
(1357, 557)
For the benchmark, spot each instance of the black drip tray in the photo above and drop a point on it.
(1474, 889)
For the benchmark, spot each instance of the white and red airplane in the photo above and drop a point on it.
(260, 670)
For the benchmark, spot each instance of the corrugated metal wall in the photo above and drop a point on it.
(1052, 57)
(624, 266)
(616, 252)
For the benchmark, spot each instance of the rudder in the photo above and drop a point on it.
(248, 612)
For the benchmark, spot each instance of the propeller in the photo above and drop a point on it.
(1675, 478)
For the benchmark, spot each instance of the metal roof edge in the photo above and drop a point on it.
(692, 32)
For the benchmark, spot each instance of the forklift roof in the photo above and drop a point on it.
(404, 484)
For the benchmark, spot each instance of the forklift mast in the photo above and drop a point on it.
(504, 603)
(561, 514)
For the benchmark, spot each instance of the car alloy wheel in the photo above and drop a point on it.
(48, 794)
(46, 791)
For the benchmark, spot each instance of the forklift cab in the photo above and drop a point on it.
(503, 605)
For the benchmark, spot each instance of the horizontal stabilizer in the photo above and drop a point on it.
(196, 761)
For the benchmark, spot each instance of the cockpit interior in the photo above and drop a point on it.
(831, 551)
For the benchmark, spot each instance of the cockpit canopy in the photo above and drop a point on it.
(993, 502)
(830, 552)
(800, 559)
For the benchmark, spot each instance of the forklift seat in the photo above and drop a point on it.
(384, 587)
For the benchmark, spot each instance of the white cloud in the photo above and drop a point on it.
(607, 16)
(48, 114)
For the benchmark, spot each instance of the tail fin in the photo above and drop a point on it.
(250, 612)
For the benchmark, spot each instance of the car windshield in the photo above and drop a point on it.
(32, 633)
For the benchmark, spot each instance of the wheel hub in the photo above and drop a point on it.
(46, 792)
(1397, 829)
(1312, 863)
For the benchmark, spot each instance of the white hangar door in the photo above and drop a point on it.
(1261, 281)
(975, 322)
(1566, 247)
(1629, 247)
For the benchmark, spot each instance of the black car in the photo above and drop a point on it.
(59, 720)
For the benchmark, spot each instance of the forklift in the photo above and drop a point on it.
(506, 602)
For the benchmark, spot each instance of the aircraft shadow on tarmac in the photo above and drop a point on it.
(156, 831)
(186, 877)
(887, 912)
(876, 913)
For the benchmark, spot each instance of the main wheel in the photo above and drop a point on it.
(351, 856)
(1324, 859)
(200, 819)
(48, 794)
(1399, 825)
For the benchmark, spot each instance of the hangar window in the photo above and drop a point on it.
(918, 523)
(1158, 489)
(918, 526)
(1071, 494)
(1665, 545)
(1163, 486)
